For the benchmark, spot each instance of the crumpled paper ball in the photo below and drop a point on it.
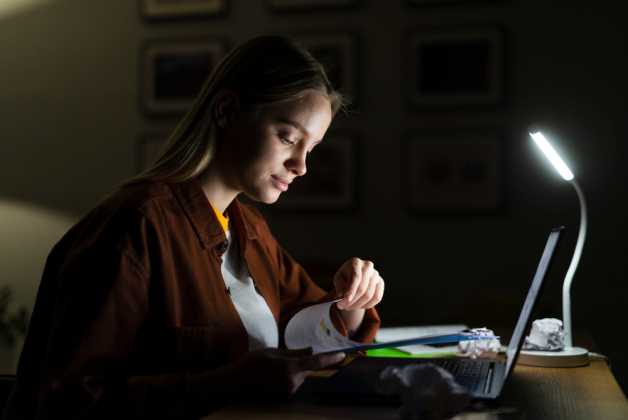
(427, 391)
(546, 334)
(480, 349)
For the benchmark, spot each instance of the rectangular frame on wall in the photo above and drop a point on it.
(173, 72)
(174, 9)
(331, 181)
(453, 172)
(439, 2)
(148, 146)
(454, 68)
(299, 5)
(337, 51)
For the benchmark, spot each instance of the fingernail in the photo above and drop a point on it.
(341, 355)
(349, 296)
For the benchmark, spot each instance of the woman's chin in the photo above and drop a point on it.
(264, 198)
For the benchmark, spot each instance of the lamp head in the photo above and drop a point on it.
(550, 153)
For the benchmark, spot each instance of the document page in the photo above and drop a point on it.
(312, 327)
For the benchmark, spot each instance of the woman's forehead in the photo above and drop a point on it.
(306, 114)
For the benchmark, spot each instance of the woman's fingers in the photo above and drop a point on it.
(349, 277)
(365, 296)
(377, 297)
(319, 361)
(359, 284)
(307, 351)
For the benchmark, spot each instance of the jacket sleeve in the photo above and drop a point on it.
(77, 351)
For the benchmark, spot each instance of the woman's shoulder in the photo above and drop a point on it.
(136, 197)
(120, 212)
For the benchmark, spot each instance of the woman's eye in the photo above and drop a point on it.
(288, 142)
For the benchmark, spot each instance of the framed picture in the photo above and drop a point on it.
(149, 146)
(461, 68)
(165, 9)
(338, 54)
(174, 71)
(452, 172)
(437, 2)
(330, 183)
(295, 5)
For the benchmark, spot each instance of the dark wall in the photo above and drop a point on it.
(70, 124)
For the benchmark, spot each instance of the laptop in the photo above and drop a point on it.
(484, 378)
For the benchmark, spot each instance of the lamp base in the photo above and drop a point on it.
(567, 357)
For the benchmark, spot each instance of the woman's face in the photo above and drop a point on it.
(261, 156)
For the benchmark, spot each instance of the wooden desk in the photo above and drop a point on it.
(588, 392)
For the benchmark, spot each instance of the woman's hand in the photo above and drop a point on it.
(280, 372)
(360, 284)
(267, 373)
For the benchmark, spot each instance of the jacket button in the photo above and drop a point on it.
(224, 246)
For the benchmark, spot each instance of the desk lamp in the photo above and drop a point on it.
(569, 356)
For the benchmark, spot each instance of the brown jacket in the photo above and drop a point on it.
(132, 303)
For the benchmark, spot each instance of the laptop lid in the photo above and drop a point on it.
(525, 319)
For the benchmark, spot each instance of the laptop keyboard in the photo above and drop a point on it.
(466, 373)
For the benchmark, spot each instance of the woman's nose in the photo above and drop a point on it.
(296, 164)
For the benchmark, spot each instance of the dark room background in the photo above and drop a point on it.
(74, 121)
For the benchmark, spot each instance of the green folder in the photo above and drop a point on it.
(392, 352)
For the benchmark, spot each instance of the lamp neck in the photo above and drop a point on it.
(574, 265)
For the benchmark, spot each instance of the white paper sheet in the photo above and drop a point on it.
(313, 327)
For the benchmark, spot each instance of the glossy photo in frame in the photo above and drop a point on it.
(454, 68)
(173, 9)
(174, 71)
(453, 172)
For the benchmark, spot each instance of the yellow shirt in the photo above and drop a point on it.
(224, 219)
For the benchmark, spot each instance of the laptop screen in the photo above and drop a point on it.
(524, 322)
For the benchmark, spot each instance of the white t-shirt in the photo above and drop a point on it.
(254, 311)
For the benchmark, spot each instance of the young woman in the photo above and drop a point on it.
(171, 298)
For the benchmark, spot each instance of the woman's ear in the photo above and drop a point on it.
(224, 109)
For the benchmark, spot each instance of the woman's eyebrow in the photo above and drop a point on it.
(295, 125)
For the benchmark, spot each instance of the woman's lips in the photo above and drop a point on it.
(281, 183)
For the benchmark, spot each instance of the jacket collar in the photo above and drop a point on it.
(203, 218)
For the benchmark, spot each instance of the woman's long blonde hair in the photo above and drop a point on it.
(264, 71)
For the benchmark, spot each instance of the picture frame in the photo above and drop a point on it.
(455, 68)
(453, 172)
(338, 53)
(449, 2)
(148, 146)
(174, 9)
(173, 72)
(310, 5)
(330, 184)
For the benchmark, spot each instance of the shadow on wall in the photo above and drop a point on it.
(28, 234)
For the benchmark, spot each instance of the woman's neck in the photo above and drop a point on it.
(216, 188)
